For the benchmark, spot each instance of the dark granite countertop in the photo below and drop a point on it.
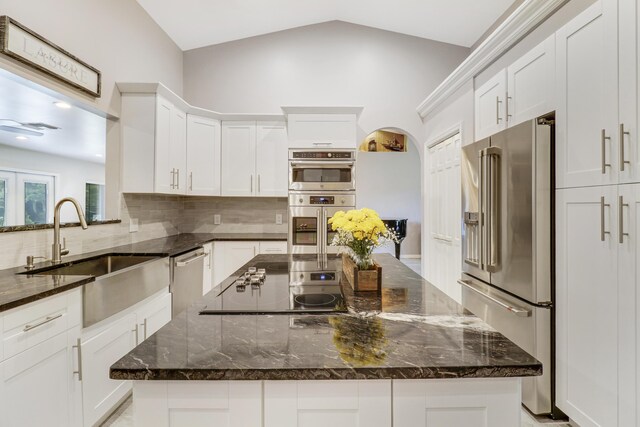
(412, 330)
(19, 289)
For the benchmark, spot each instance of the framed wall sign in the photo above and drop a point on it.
(24, 45)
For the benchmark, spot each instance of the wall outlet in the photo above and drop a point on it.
(133, 225)
(216, 219)
(278, 219)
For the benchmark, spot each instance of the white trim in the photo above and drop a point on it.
(415, 256)
(443, 136)
(521, 22)
(322, 110)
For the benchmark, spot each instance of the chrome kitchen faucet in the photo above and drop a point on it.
(57, 250)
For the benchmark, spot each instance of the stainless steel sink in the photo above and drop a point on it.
(101, 266)
(121, 281)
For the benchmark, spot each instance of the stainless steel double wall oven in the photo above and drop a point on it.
(321, 182)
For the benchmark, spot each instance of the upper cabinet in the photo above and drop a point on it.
(164, 150)
(203, 156)
(521, 92)
(322, 130)
(254, 158)
(587, 140)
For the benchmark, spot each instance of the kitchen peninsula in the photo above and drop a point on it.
(409, 357)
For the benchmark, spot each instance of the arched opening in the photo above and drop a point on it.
(389, 181)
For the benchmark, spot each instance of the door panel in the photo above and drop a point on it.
(203, 156)
(164, 176)
(304, 235)
(490, 106)
(238, 158)
(178, 149)
(271, 159)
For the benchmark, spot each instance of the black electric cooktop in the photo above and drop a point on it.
(294, 287)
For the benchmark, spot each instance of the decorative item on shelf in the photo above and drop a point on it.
(358, 233)
(384, 141)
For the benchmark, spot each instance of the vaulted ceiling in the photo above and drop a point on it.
(197, 23)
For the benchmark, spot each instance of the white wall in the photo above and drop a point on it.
(390, 184)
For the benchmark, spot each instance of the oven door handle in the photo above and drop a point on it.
(324, 163)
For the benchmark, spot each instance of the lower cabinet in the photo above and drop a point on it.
(39, 387)
(481, 402)
(99, 392)
(103, 346)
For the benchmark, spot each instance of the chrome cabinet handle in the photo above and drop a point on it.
(135, 330)
(603, 140)
(173, 179)
(178, 183)
(323, 144)
(79, 347)
(144, 326)
(602, 223)
(507, 106)
(48, 319)
(518, 311)
(621, 134)
(498, 102)
(258, 183)
(251, 188)
(621, 206)
(190, 181)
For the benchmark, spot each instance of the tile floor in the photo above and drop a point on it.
(123, 415)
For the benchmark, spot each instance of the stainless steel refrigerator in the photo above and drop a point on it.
(507, 243)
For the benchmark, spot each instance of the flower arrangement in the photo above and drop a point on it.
(360, 232)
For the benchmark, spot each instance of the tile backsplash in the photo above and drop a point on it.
(158, 216)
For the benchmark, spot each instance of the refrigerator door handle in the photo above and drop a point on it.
(481, 205)
(518, 311)
(318, 234)
(492, 161)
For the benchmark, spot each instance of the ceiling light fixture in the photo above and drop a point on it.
(99, 155)
(21, 138)
(61, 104)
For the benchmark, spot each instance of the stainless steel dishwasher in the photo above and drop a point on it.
(186, 279)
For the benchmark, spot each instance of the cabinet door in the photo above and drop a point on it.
(230, 256)
(38, 386)
(207, 269)
(587, 304)
(238, 158)
(164, 175)
(629, 91)
(178, 150)
(490, 106)
(322, 131)
(628, 210)
(100, 393)
(271, 159)
(203, 156)
(153, 316)
(271, 248)
(327, 403)
(531, 83)
(586, 130)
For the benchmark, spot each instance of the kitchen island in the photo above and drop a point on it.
(409, 357)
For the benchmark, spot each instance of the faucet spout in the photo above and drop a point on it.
(57, 250)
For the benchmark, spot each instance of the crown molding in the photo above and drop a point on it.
(521, 22)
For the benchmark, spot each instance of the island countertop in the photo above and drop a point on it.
(413, 330)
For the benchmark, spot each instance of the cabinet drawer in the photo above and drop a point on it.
(31, 324)
(273, 247)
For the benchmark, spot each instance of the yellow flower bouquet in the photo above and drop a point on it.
(360, 232)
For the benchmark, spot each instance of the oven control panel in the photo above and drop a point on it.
(345, 199)
(330, 155)
(322, 200)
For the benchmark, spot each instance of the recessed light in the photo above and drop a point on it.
(99, 155)
(21, 138)
(61, 104)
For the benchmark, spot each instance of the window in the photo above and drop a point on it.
(26, 198)
(94, 202)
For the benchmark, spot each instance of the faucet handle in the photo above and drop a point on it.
(30, 261)
(64, 250)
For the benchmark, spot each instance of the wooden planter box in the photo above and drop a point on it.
(362, 280)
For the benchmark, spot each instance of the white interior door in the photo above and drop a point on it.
(271, 159)
(442, 203)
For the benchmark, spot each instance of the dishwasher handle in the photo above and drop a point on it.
(190, 260)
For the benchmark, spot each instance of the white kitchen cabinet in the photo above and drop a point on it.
(154, 150)
(327, 403)
(203, 156)
(587, 87)
(152, 316)
(271, 159)
(531, 83)
(100, 393)
(490, 106)
(207, 268)
(39, 386)
(587, 304)
(230, 256)
(272, 248)
(254, 159)
(322, 131)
